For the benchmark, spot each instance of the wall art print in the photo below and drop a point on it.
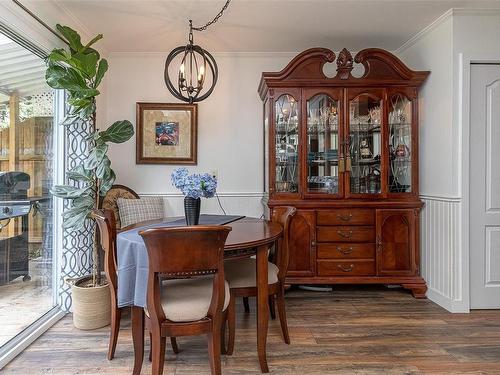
(166, 133)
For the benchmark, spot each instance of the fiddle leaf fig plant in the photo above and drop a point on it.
(79, 70)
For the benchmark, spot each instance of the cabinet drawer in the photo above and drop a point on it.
(346, 268)
(346, 216)
(346, 234)
(341, 250)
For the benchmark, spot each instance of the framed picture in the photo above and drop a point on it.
(166, 133)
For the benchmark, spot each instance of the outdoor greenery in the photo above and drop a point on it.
(79, 71)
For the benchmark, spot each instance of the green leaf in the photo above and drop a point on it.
(95, 157)
(83, 111)
(79, 103)
(84, 93)
(91, 50)
(73, 80)
(53, 76)
(73, 38)
(107, 181)
(68, 191)
(85, 63)
(101, 70)
(79, 174)
(103, 167)
(76, 219)
(119, 132)
(59, 55)
(85, 201)
(69, 120)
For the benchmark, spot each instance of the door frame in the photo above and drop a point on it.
(461, 136)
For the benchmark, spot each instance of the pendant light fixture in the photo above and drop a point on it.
(196, 64)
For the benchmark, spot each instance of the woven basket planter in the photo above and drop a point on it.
(91, 305)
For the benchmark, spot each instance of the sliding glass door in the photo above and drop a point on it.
(27, 128)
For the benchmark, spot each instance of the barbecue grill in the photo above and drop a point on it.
(14, 202)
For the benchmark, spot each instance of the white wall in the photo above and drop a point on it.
(447, 47)
(431, 50)
(230, 137)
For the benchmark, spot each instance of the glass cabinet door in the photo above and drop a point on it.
(364, 143)
(400, 144)
(267, 111)
(323, 140)
(286, 133)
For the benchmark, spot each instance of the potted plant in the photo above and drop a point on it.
(193, 187)
(79, 70)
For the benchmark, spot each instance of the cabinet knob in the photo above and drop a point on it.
(380, 246)
(344, 251)
(347, 217)
(313, 243)
(345, 234)
(346, 268)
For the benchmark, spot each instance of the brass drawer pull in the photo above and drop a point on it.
(344, 234)
(345, 217)
(346, 269)
(344, 251)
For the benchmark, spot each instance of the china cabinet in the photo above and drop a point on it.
(344, 151)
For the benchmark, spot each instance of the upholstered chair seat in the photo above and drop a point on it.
(188, 300)
(243, 273)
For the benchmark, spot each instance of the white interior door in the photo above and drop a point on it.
(485, 187)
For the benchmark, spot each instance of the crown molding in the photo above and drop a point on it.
(215, 54)
(443, 18)
(426, 30)
(495, 12)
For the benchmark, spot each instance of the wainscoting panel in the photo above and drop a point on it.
(248, 204)
(441, 249)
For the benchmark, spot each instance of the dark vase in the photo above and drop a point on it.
(192, 210)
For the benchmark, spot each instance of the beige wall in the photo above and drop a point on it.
(230, 137)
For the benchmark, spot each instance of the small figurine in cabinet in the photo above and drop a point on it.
(365, 149)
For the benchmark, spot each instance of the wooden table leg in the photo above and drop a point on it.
(138, 337)
(262, 306)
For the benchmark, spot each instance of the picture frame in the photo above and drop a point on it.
(166, 133)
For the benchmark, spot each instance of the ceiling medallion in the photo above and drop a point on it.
(196, 64)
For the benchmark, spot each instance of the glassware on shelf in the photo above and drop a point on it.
(286, 144)
(364, 142)
(400, 145)
(322, 145)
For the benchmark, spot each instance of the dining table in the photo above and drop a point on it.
(248, 237)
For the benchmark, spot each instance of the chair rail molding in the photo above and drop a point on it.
(234, 203)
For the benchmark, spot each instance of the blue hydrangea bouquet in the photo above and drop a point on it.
(193, 187)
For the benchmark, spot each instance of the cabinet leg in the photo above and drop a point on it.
(418, 290)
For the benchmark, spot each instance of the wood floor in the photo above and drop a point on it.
(362, 330)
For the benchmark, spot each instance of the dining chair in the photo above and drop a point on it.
(106, 224)
(241, 276)
(187, 292)
(109, 201)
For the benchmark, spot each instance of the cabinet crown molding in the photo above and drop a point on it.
(381, 67)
